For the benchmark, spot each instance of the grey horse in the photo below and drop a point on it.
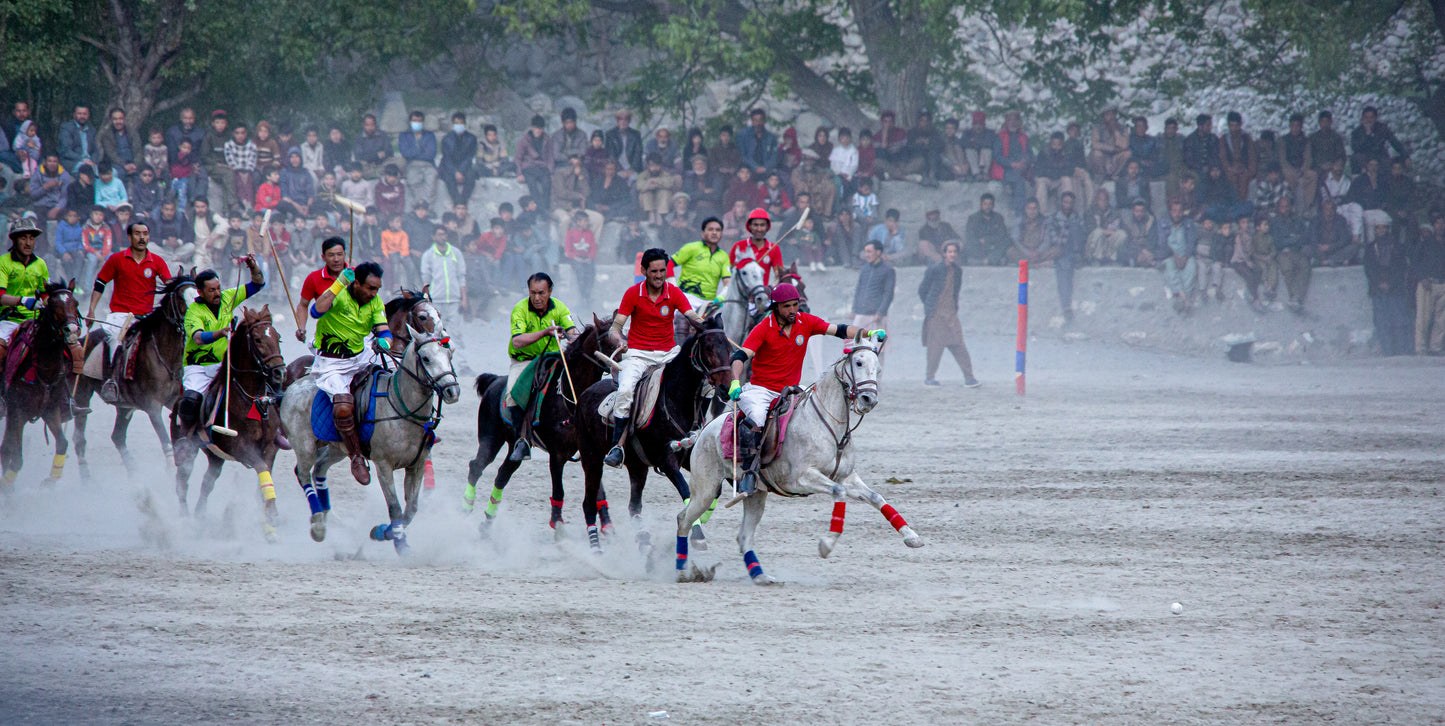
(746, 288)
(406, 420)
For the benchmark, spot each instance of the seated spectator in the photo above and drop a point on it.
(986, 238)
(1268, 189)
(1105, 228)
(146, 193)
(1372, 139)
(1015, 158)
(1138, 227)
(694, 147)
(843, 161)
(980, 145)
(534, 165)
(68, 245)
(118, 146)
(735, 220)
(1146, 150)
(183, 167)
(865, 203)
(790, 154)
(313, 153)
(757, 145)
(49, 189)
(1216, 245)
(1201, 148)
(1367, 189)
(922, 152)
(1290, 239)
(418, 149)
(724, 157)
(1239, 156)
(889, 143)
(595, 158)
(679, 224)
(814, 178)
(109, 190)
(1333, 245)
(1109, 146)
(822, 146)
(802, 203)
(457, 168)
(1053, 171)
(1133, 185)
(81, 192)
(268, 153)
(581, 251)
(296, 185)
(1427, 271)
(1175, 241)
(612, 197)
(172, 235)
(156, 154)
(395, 246)
(1336, 185)
(1032, 242)
(703, 186)
(1400, 197)
(632, 242)
(96, 241)
(336, 153)
(240, 154)
(1385, 274)
(359, 189)
(1253, 258)
(889, 237)
(1218, 197)
(493, 154)
(1074, 147)
(742, 187)
(772, 196)
(661, 145)
(1326, 145)
(867, 155)
(325, 200)
(570, 194)
(624, 145)
(567, 141)
(268, 195)
(655, 187)
(845, 239)
(932, 236)
(952, 166)
(1266, 151)
(1171, 153)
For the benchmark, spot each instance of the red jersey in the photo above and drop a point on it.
(652, 320)
(581, 245)
(778, 359)
(135, 282)
(769, 256)
(316, 283)
(268, 195)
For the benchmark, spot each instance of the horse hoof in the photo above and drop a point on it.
(270, 533)
(378, 533)
(559, 534)
(693, 573)
(912, 539)
(826, 543)
(318, 526)
(697, 540)
(766, 580)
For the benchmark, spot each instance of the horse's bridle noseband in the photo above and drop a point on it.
(852, 387)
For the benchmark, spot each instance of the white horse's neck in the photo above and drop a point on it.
(411, 395)
(831, 396)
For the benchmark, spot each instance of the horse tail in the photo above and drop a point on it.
(484, 381)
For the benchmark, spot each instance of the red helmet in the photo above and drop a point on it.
(784, 292)
(762, 214)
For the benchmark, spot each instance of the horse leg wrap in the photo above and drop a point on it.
(556, 516)
(708, 514)
(681, 553)
(894, 518)
(268, 488)
(493, 501)
(429, 479)
(469, 497)
(751, 560)
(323, 493)
(312, 501)
(604, 516)
(57, 466)
(396, 531)
(838, 509)
(592, 538)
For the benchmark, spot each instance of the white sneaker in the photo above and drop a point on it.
(822, 267)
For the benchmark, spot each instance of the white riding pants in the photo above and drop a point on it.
(754, 402)
(198, 378)
(333, 375)
(7, 330)
(514, 371)
(634, 363)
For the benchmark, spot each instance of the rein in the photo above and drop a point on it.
(852, 388)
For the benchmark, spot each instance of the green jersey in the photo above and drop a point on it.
(526, 320)
(21, 280)
(343, 329)
(700, 271)
(200, 317)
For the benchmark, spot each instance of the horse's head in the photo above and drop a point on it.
(605, 344)
(858, 370)
(60, 312)
(434, 356)
(264, 344)
(792, 277)
(176, 295)
(712, 353)
(749, 281)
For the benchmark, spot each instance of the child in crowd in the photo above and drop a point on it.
(146, 193)
(357, 189)
(810, 243)
(867, 155)
(268, 195)
(493, 154)
(96, 240)
(395, 246)
(69, 245)
(632, 242)
(109, 191)
(581, 251)
(390, 193)
(157, 154)
(181, 169)
(865, 203)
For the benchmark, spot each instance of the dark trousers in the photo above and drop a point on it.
(1064, 275)
(539, 183)
(460, 192)
(1393, 322)
(586, 272)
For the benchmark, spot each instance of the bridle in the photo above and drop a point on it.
(69, 328)
(269, 367)
(174, 308)
(753, 292)
(696, 357)
(435, 384)
(852, 389)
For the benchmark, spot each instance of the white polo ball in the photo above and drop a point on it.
(1176, 608)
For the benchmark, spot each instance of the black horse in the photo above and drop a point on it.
(43, 373)
(554, 427)
(682, 408)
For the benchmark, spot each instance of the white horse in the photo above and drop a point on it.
(746, 288)
(816, 458)
(406, 419)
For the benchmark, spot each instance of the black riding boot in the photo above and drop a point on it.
(521, 450)
(747, 453)
(189, 411)
(615, 456)
(109, 390)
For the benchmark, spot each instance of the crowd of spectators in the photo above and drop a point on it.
(1268, 206)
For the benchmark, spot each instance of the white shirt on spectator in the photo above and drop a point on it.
(844, 160)
(362, 192)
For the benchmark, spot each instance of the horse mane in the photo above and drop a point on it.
(157, 315)
(55, 286)
(403, 304)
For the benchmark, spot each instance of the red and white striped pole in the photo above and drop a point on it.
(1023, 335)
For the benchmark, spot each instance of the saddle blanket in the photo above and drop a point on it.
(729, 445)
(324, 428)
(643, 401)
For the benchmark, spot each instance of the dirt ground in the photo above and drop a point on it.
(1294, 512)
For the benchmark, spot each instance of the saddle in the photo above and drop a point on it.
(775, 429)
(528, 392)
(644, 398)
(18, 358)
(366, 389)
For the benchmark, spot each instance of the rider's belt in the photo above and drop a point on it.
(339, 355)
(692, 286)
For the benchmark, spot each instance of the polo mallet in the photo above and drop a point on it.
(351, 208)
(796, 225)
(565, 369)
(226, 429)
(275, 257)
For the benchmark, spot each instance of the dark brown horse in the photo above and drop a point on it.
(555, 428)
(257, 371)
(681, 409)
(42, 376)
(154, 383)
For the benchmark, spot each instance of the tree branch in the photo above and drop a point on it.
(176, 100)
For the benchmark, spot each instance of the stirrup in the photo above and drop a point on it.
(522, 451)
(110, 391)
(614, 457)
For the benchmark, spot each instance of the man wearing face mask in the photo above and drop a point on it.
(419, 148)
(459, 149)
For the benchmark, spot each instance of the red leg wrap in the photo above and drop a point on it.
(837, 525)
(894, 518)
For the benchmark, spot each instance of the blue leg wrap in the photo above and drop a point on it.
(312, 500)
(323, 494)
(751, 560)
(681, 553)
